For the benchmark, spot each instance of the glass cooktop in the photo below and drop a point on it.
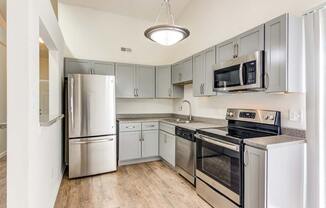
(234, 132)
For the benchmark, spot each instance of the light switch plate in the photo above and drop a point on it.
(295, 115)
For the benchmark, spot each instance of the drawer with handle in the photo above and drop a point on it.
(167, 128)
(149, 126)
(130, 127)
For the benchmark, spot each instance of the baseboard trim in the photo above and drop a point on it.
(143, 160)
(57, 187)
(3, 154)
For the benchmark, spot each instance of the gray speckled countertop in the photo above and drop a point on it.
(194, 125)
(135, 120)
(273, 141)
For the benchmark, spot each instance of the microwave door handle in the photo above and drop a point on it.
(241, 74)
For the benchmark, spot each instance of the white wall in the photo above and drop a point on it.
(214, 21)
(143, 106)
(216, 106)
(34, 153)
(98, 35)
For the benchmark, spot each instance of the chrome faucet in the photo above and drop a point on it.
(189, 104)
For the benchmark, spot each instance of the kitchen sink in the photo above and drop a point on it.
(176, 120)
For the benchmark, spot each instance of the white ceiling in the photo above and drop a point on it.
(142, 9)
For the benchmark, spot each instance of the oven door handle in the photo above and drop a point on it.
(218, 142)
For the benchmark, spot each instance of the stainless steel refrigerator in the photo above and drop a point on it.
(92, 140)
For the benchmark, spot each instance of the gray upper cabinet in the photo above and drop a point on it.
(225, 51)
(198, 75)
(176, 73)
(250, 41)
(125, 80)
(77, 66)
(103, 68)
(241, 45)
(80, 66)
(210, 60)
(182, 72)
(203, 73)
(284, 55)
(135, 81)
(145, 81)
(164, 87)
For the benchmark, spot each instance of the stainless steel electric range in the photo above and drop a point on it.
(220, 156)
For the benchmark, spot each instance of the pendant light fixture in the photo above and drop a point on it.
(166, 34)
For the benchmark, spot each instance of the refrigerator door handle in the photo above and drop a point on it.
(93, 141)
(71, 107)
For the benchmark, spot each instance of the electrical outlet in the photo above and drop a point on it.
(295, 115)
(180, 108)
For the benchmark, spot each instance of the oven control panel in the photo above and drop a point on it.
(250, 115)
(257, 116)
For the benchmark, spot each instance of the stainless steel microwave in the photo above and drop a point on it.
(240, 74)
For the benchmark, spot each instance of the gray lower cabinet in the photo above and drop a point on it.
(145, 81)
(284, 69)
(203, 73)
(125, 80)
(182, 71)
(135, 81)
(138, 141)
(167, 143)
(150, 143)
(81, 66)
(255, 177)
(164, 87)
(241, 45)
(167, 147)
(274, 175)
(129, 145)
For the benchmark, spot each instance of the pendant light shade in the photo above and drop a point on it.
(166, 34)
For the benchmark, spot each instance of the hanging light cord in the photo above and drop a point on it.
(167, 5)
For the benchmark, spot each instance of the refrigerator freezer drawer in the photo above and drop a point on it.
(90, 156)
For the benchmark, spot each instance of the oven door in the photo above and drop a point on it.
(219, 165)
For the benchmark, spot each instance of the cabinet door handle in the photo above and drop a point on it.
(237, 50)
(266, 80)
(246, 158)
(203, 88)
(234, 46)
(170, 92)
(137, 92)
(134, 92)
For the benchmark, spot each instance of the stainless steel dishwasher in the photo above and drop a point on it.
(186, 153)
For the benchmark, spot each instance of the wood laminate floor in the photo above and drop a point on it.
(147, 185)
(3, 182)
